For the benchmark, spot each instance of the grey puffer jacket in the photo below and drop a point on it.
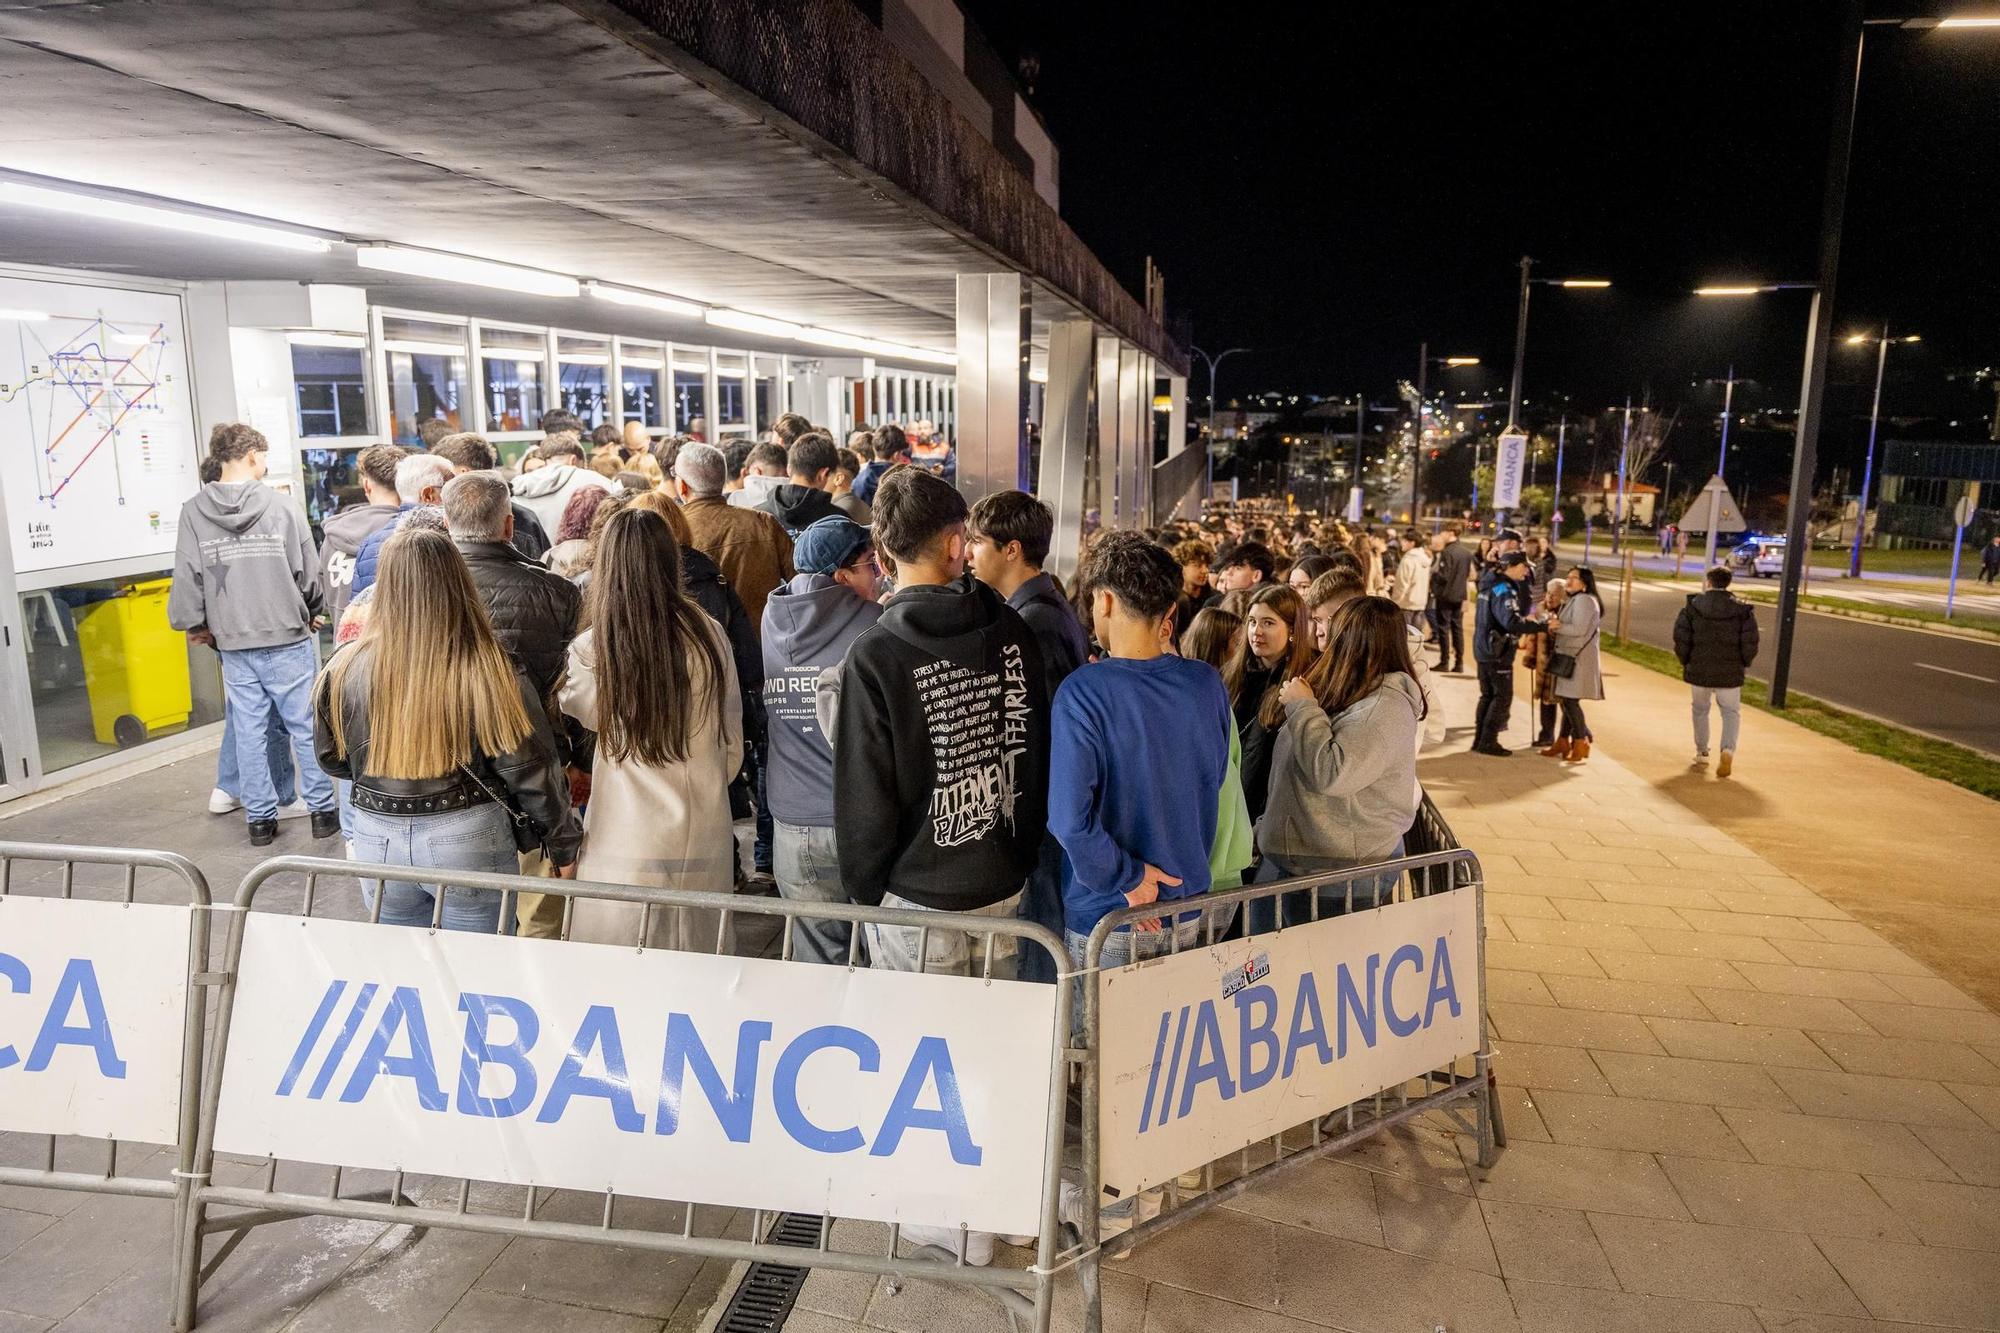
(1344, 788)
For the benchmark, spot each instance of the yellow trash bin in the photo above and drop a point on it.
(135, 666)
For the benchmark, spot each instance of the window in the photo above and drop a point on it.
(106, 672)
(584, 363)
(690, 388)
(765, 392)
(732, 399)
(426, 373)
(511, 365)
(642, 372)
(328, 383)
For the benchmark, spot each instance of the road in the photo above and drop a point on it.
(1944, 685)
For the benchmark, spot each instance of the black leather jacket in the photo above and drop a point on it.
(533, 609)
(531, 778)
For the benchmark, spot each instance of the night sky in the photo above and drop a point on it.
(1333, 184)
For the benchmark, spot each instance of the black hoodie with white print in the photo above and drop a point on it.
(941, 751)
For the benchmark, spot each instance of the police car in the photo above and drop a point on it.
(1762, 556)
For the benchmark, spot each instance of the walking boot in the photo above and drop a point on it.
(1579, 751)
(1557, 749)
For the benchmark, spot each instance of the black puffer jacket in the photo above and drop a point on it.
(531, 777)
(1715, 637)
(702, 578)
(534, 610)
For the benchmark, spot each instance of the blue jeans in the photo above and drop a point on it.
(1369, 891)
(478, 838)
(268, 687)
(807, 868)
(1122, 947)
(277, 752)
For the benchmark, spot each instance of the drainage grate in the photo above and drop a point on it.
(764, 1299)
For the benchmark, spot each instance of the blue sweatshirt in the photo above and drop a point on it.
(1139, 752)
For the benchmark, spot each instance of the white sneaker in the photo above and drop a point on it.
(978, 1244)
(296, 810)
(1700, 759)
(221, 802)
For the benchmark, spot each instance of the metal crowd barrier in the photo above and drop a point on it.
(109, 1180)
(1024, 1294)
(1432, 872)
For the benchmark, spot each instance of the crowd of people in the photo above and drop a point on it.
(599, 665)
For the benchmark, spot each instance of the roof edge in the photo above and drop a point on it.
(821, 73)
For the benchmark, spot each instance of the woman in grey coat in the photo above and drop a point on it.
(1574, 633)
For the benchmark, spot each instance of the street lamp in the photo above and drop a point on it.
(1424, 363)
(1881, 342)
(1521, 324)
(1721, 464)
(1805, 456)
(1213, 361)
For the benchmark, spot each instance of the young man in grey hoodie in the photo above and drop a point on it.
(355, 524)
(809, 622)
(246, 580)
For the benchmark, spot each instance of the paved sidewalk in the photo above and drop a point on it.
(1734, 1109)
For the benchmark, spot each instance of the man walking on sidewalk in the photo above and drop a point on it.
(1496, 634)
(246, 579)
(1989, 560)
(1715, 638)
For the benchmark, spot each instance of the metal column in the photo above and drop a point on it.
(993, 332)
(1066, 438)
(1110, 431)
(1187, 504)
(1135, 443)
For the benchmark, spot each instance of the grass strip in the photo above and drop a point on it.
(1922, 754)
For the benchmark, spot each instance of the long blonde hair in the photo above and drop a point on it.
(438, 681)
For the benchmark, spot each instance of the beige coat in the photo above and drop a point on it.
(659, 826)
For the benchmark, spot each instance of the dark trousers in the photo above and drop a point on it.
(760, 850)
(1450, 621)
(1042, 904)
(1496, 700)
(1548, 719)
(1989, 573)
(1574, 726)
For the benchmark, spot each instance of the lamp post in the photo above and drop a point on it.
(1424, 363)
(1521, 325)
(1721, 464)
(1213, 361)
(1805, 457)
(1874, 421)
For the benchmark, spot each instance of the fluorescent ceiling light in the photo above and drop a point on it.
(1971, 22)
(24, 316)
(423, 348)
(1586, 282)
(464, 268)
(1727, 291)
(749, 323)
(644, 300)
(1461, 361)
(145, 215)
(310, 339)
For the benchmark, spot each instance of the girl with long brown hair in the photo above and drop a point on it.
(1344, 769)
(452, 760)
(653, 677)
(1277, 645)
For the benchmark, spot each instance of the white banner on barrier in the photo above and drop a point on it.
(882, 1095)
(1214, 1049)
(93, 1008)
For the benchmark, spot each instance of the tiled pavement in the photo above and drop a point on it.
(1733, 1109)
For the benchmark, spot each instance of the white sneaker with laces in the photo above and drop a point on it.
(1700, 759)
(221, 802)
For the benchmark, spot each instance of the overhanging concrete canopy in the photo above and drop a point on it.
(565, 136)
